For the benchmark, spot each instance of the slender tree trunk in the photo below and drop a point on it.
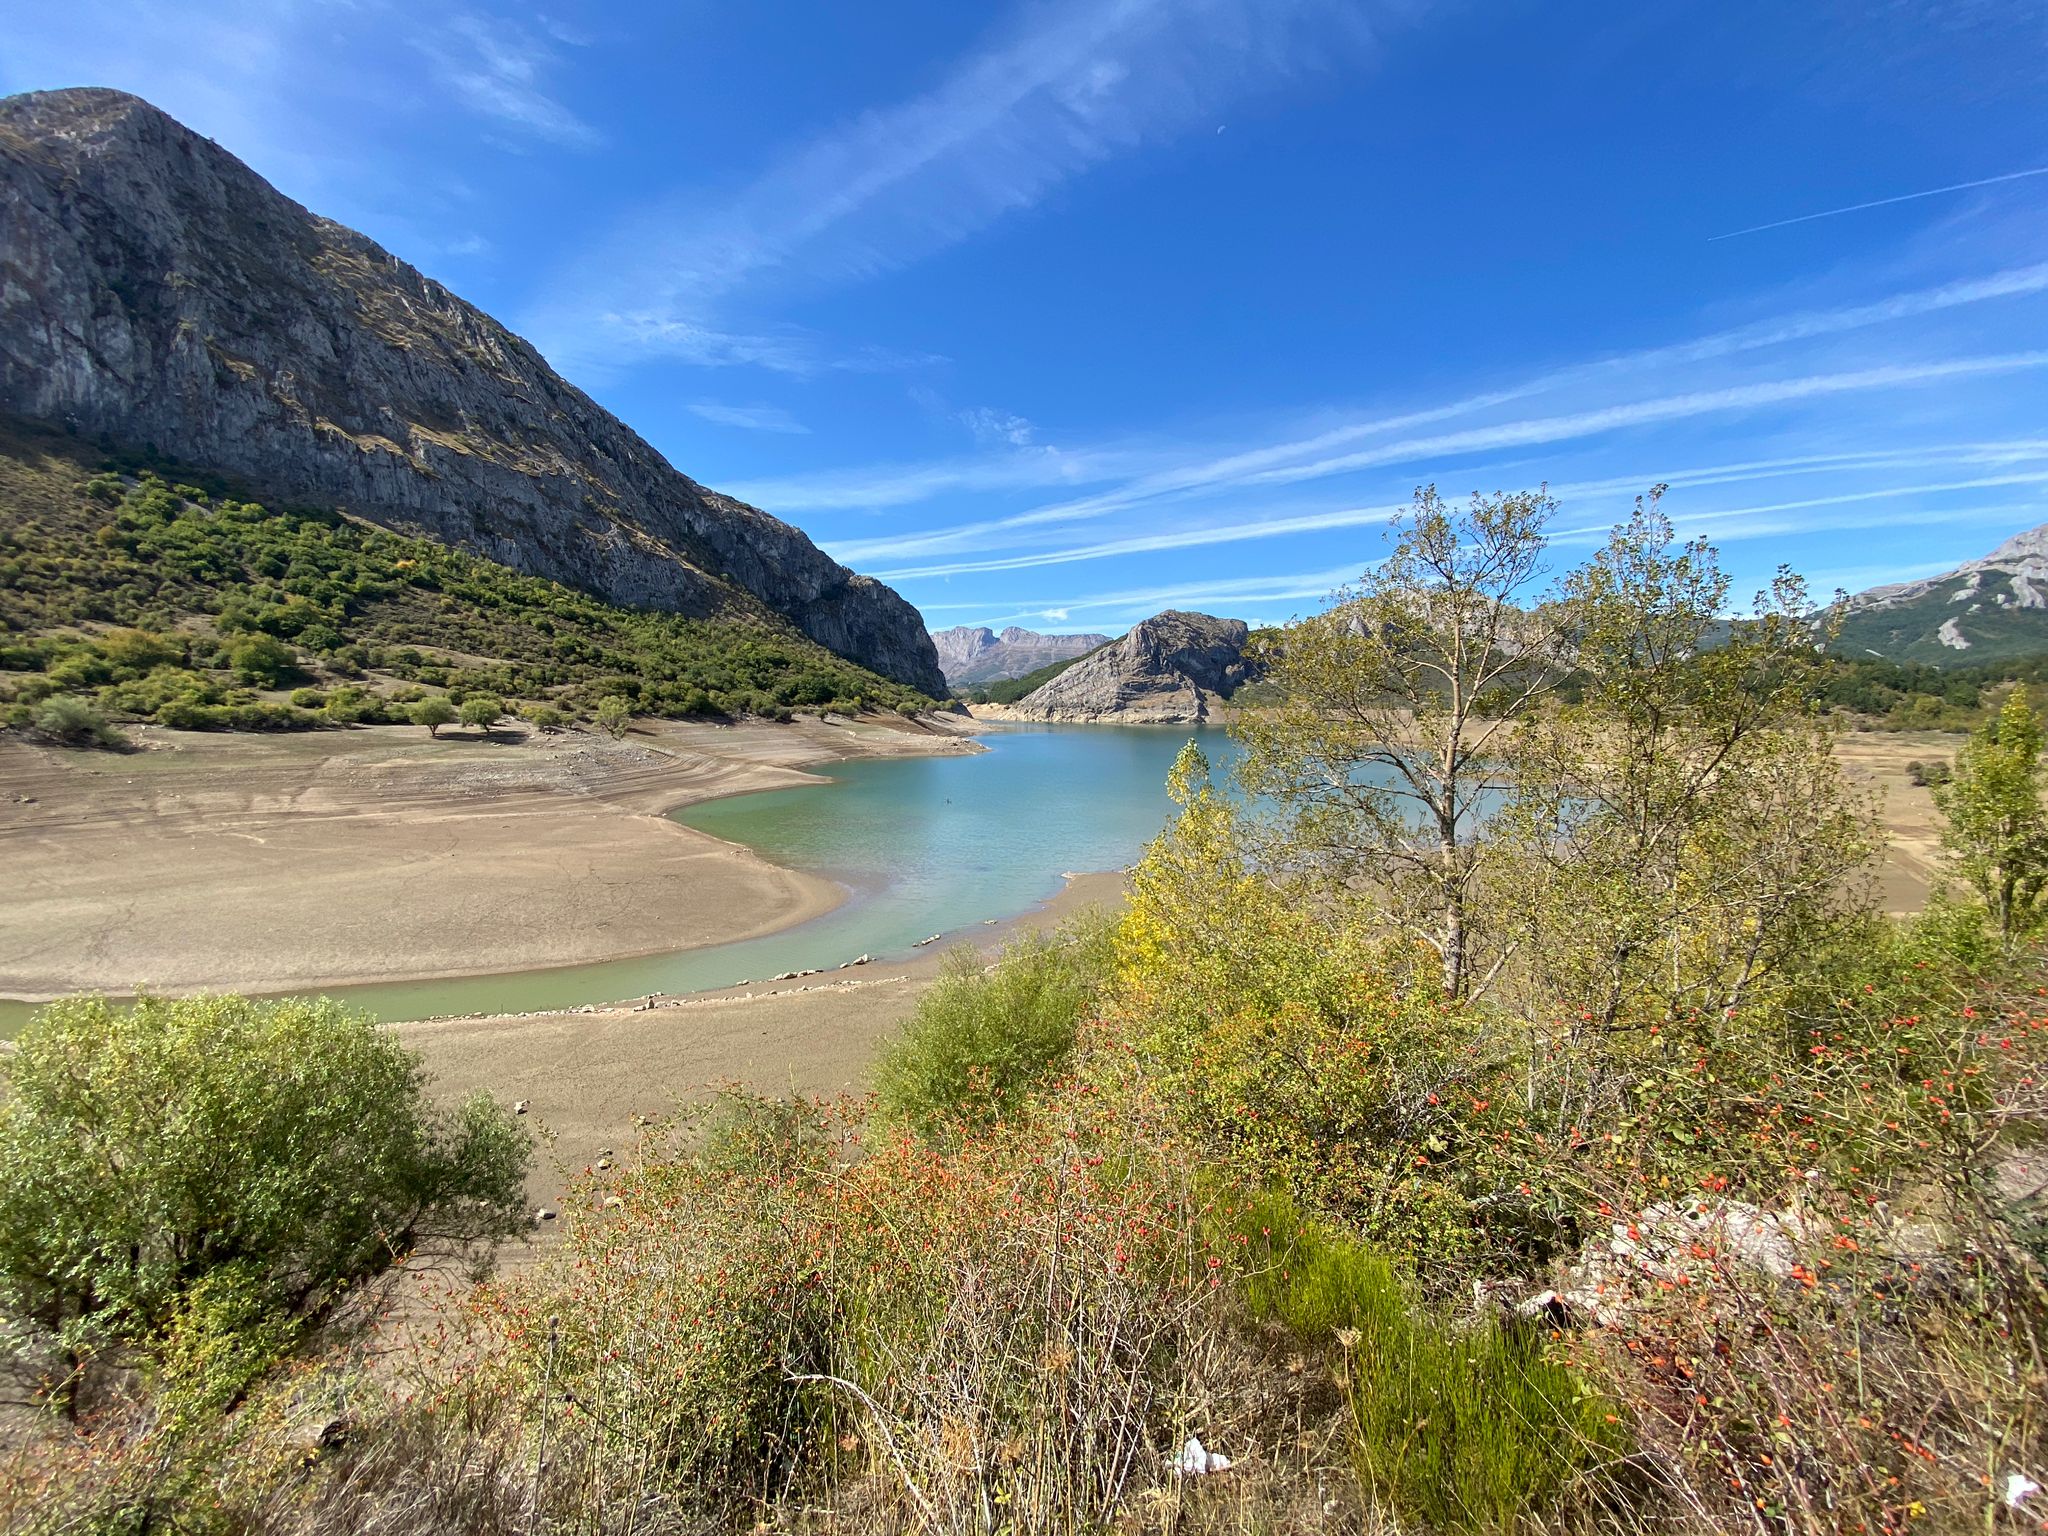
(1454, 902)
(1454, 947)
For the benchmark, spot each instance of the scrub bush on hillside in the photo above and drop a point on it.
(179, 604)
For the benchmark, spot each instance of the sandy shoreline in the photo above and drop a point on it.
(328, 859)
(585, 1074)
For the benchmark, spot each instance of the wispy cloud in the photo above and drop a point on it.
(1274, 595)
(1883, 202)
(1269, 468)
(1723, 522)
(1157, 474)
(496, 68)
(993, 426)
(1065, 86)
(750, 418)
(1223, 596)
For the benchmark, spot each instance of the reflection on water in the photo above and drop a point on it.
(924, 845)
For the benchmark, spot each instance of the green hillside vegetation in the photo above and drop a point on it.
(157, 593)
(1918, 696)
(1611, 1164)
(1910, 632)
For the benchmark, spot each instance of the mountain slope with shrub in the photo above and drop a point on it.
(1172, 668)
(184, 604)
(158, 292)
(1011, 689)
(1984, 611)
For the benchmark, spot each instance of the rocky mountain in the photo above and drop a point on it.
(970, 655)
(1172, 669)
(1993, 609)
(156, 292)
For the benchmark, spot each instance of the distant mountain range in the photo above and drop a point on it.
(970, 655)
(1989, 610)
(1175, 668)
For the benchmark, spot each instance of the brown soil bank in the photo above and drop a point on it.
(584, 1076)
(276, 863)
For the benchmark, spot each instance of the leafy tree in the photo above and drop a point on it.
(1269, 1015)
(546, 718)
(1395, 703)
(482, 711)
(149, 1152)
(613, 716)
(433, 712)
(1682, 831)
(263, 660)
(1994, 830)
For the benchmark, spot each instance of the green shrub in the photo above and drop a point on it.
(354, 705)
(220, 1339)
(545, 718)
(263, 661)
(614, 716)
(308, 698)
(983, 1038)
(136, 652)
(72, 722)
(147, 1151)
(1460, 1424)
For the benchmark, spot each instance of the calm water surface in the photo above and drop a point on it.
(923, 845)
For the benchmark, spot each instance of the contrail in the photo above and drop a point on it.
(1882, 202)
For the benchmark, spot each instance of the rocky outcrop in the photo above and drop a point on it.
(1993, 609)
(1173, 669)
(156, 291)
(971, 655)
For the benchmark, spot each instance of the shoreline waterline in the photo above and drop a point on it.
(940, 862)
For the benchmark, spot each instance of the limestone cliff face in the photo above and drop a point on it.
(155, 289)
(969, 655)
(1172, 669)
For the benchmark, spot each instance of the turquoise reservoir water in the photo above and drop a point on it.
(924, 845)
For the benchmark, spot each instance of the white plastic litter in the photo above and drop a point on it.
(2018, 1488)
(1197, 1460)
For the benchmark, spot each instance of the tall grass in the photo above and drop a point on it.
(1459, 1423)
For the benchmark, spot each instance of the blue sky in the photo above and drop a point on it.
(1060, 313)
